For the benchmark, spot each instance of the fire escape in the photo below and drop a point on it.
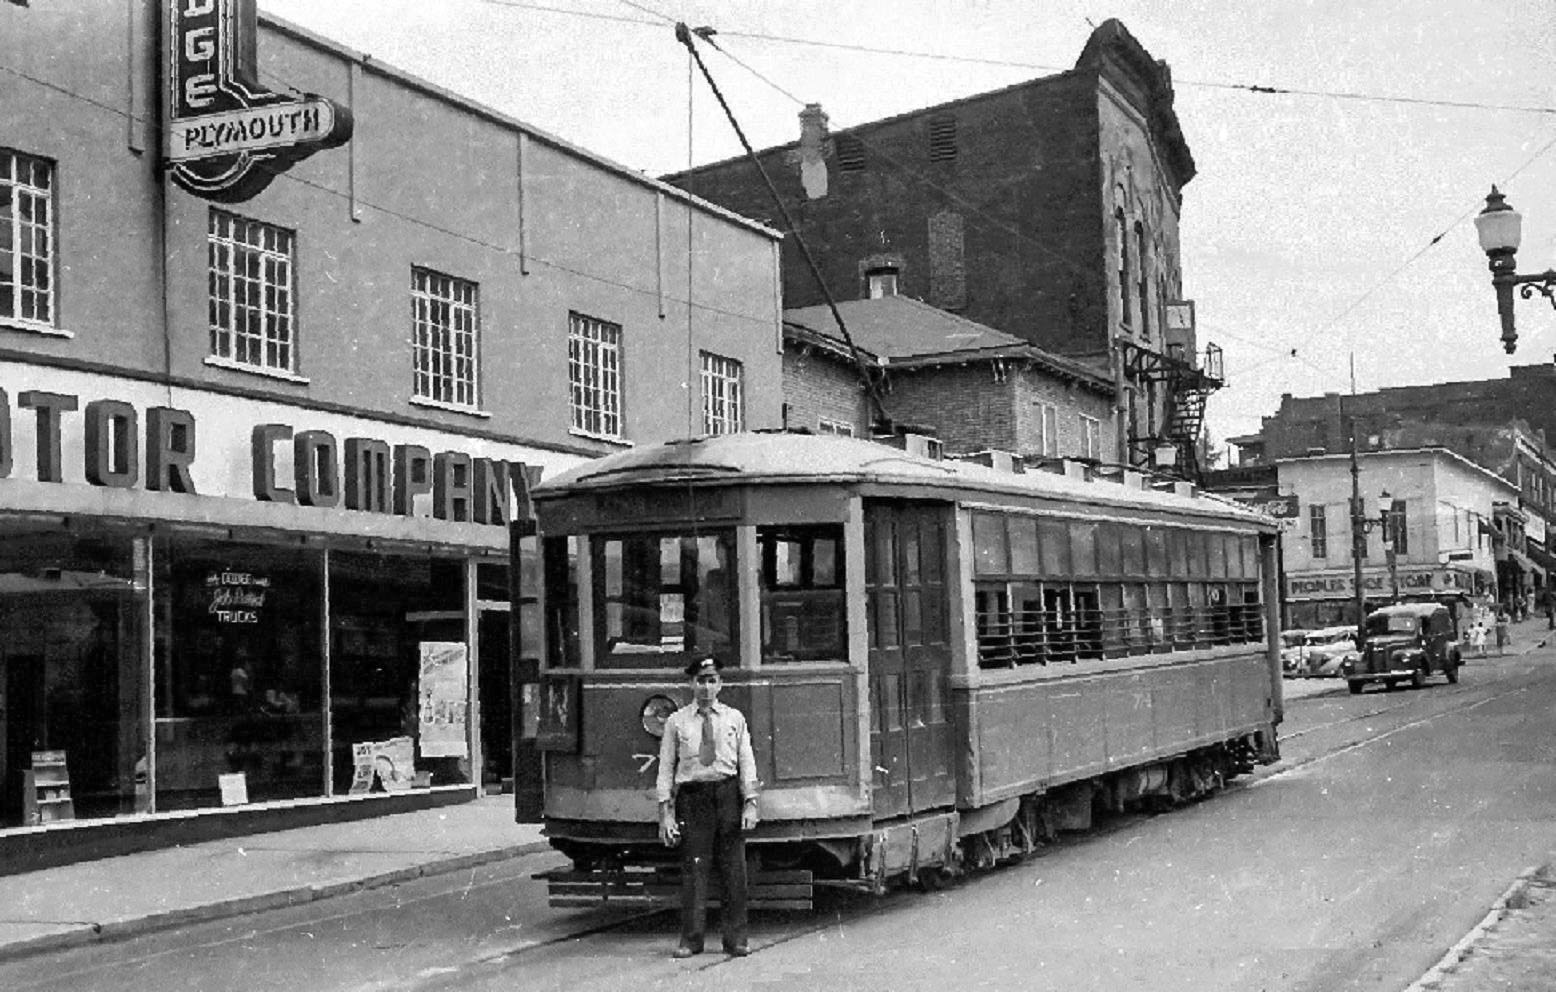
(1185, 384)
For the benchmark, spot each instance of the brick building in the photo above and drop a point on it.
(265, 416)
(1048, 210)
(976, 388)
(1499, 424)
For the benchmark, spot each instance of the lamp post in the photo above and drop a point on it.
(1501, 230)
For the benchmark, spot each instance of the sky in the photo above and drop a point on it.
(1334, 219)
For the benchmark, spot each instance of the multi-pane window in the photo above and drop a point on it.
(1318, 531)
(1091, 437)
(1047, 417)
(1398, 531)
(723, 395)
(445, 338)
(26, 238)
(252, 306)
(1050, 590)
(594, 373)
(825, 426)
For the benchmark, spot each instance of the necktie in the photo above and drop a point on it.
(705, 753)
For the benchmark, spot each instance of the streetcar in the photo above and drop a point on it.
(943, 663)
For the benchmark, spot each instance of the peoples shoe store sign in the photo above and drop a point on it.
(227, 137)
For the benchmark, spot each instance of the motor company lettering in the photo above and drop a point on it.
(1411, 581)
(359, 473)
(226, 136)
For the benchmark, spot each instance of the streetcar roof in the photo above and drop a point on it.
(788, 458)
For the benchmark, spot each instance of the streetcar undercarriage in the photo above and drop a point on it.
(920, 850)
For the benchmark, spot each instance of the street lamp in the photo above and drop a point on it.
(1500, 230)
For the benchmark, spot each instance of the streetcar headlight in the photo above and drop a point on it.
(656, 710)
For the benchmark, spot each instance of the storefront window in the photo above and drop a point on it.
(239, 672)
(391, 615)
(71, 630)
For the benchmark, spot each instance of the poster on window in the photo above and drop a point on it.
(444, 700)
(391, 764)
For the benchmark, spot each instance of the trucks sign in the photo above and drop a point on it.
(225, 136)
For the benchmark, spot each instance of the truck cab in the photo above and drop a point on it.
(1406, 642)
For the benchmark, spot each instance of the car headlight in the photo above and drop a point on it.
(656, 710)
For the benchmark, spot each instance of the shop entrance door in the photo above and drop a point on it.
(495, 672)
(910, 656)
(23, 716)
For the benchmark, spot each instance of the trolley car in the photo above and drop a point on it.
(943, 663)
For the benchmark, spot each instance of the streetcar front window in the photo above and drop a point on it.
(660, 598)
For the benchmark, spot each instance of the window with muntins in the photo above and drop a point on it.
(1047, 415)
(723, 395)
(594, 373)
(1318, 532)
(252, 285)
(26, 238)
(445, 336)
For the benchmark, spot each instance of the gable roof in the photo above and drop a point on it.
(901, 332)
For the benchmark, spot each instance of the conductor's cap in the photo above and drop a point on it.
(702, 666)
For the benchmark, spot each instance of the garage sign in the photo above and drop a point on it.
(225, 136)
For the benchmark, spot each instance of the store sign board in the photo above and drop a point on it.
(226, 136)
(1272, 505)
(111, 442)
(1376, 582)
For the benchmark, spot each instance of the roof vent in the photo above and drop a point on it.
(1000, 461)
(1077, 470)
(942, 138)
(1184, 489)
(914, 443)
(850, 153)
(1133, 480)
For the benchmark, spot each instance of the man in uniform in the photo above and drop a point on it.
(707, 802)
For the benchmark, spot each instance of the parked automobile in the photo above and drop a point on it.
(1293, 649)
(1405, 642)
(1325, 650)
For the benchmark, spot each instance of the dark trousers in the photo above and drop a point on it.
(710, 827)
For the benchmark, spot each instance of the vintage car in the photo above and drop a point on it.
(1405, 643)
(1293, 649)
(1325, 650)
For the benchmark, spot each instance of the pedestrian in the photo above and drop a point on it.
(707, 803)
(1550, 609)
(1502, 621)
(1478, 637)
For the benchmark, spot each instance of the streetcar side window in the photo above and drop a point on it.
(662, 597)
(802, 599)
(1063, 590)
(560, 558)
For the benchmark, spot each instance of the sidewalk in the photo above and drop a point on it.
(116, 898)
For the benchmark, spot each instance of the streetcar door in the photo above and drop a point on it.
(910, 657)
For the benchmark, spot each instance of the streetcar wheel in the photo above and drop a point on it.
(1355, 685)
(1418, 679)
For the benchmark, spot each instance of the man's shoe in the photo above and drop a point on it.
(686, 951)
(737, 950)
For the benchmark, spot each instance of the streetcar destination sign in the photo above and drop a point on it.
(226, 137)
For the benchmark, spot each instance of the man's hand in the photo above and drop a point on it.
(669, 830)
(749, 816)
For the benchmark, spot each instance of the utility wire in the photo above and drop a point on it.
(1259, 89)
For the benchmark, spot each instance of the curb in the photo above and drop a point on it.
(1512, 898)
(83, 934)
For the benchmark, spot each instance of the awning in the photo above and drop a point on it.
(1542, 559)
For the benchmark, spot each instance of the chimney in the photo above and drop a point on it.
(812, 151)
